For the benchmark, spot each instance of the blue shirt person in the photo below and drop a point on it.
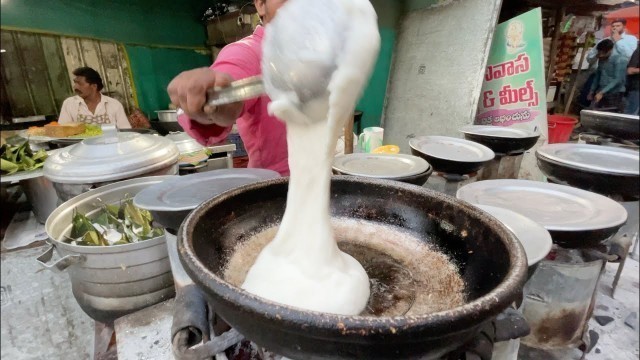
(608, 85)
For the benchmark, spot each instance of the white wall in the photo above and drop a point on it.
(438, 70)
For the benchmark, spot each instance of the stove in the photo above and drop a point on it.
(595, 138)
(449, 183)
(508, 325)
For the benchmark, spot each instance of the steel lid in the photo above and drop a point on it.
(556, 207)
(383, 166)
(499, 131)
(185, 143)
(110, 157)
(593, 158)
(535, 239)
(452, 149)
(187, 192)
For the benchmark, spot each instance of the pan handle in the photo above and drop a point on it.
(60, 265)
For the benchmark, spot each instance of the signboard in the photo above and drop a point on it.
(513, 92)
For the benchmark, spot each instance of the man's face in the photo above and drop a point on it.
(604, 55)
(82, 88)
(267, 9)
(617, 27)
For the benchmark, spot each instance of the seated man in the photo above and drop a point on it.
(608, 85)
(89, 106)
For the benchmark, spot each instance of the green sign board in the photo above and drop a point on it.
(513, 93)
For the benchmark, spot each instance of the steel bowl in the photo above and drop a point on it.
(167, 115)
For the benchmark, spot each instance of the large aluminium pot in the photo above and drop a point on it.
(491, 261)
(109, 281)
(102, 160)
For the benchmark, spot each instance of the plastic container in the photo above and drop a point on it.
(560, 128)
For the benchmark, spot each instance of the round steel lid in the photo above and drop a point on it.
(108, 158)
(185, 143)
(556, 207)
(387, 166)
(450, 148)
(596, 158)
(535, 239)
(498, 131)
(189, 191)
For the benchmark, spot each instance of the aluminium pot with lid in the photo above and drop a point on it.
(185, 143)
(112, 157)
(192, 154)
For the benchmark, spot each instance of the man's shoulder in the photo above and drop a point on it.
(71, 100)
(109, 99)
(251, 43)
(630, 36)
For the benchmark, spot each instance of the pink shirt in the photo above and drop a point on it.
(264, 136)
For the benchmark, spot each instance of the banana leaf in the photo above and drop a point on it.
(94, 238)
(8, 166)
(40, 155)
(81, 225)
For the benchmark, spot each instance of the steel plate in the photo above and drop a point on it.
(498, 131)
(386, 166)
(450, 148)
(556, 207)
(25, 175)
(535, 239)
(187, 192)
(603, 159)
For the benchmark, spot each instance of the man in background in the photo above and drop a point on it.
(633, 85)
(608, 85)
(624, 44)
(89, 106)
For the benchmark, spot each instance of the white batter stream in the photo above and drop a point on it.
(303, 266)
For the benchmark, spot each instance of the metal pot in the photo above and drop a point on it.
(106, 159)
(110, 281)
(164, 128)
(472, 238)
(185, 143)
(167, 115)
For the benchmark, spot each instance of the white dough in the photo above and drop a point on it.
(303, 266)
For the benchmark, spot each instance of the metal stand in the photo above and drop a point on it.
(449, 183)
(501, 167)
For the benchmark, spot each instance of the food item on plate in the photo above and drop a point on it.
(55, 130)
(386, 149)
(36, 131)
(116, 224)
(303, 266)
(64, 130)
(89, 131)
(20, 158)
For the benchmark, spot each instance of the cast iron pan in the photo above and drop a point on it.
(502, 145)
(490, 259)
(450, 166)
(616, 186)
(626, 127)
(419, 179)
